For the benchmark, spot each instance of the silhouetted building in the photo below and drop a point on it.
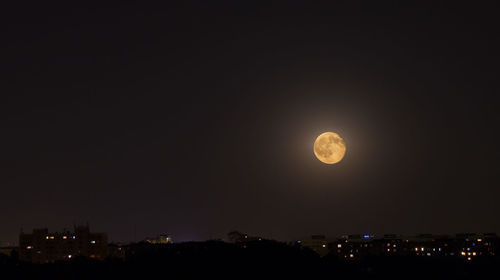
(467, 246)
(355, 246)
(43, 247)
(160, 239)
(117, 250)
(317, 243)
(7, 250)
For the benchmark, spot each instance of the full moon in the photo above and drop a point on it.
(329, 148)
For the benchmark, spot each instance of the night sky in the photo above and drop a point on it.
(198, 118)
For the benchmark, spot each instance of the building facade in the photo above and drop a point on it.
(40, 246)
(467, 246)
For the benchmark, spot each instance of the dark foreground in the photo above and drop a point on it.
(264, 259)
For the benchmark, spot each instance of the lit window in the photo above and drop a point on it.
(65, 237)
(468, 249)
(388, 244)
(339, 245)
(416, 249)
(428, 254)
(473, 253)
(463, 253)
(69, 256)
(468, 254)
(394, 245)
(422, 249)
(324, 246)
(46, 237)
(92, 242)
(469, 258)
(52, 237)
(388, 250)
(29, 247)
(479, 240)
(351, 255)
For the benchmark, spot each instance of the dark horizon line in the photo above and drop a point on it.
(310, 236)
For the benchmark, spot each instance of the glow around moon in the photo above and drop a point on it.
(329, 148)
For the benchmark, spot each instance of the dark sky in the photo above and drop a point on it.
(198, 118)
